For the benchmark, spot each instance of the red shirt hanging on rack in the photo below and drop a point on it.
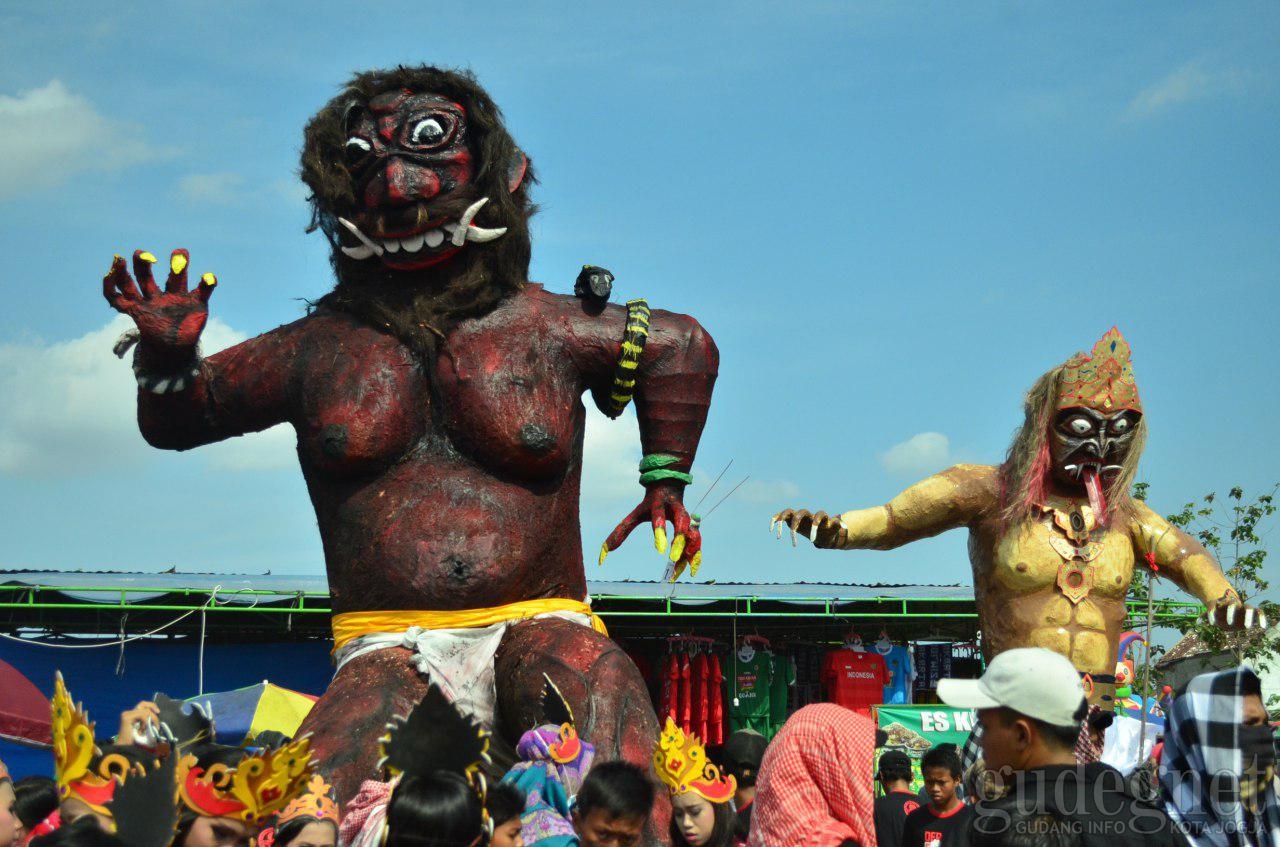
(685, 717)
(715, 709)
(699, 687)
(855, 679)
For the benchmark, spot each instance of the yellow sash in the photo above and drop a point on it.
(349, 625)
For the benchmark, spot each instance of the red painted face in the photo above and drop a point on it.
(408, 156)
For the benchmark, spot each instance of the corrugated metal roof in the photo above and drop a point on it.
(111, 586)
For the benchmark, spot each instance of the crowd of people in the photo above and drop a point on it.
(1029, 776)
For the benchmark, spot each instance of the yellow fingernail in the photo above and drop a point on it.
(677, 548)
(178, 263)
(147, 257)
(117, 258)
(209, 280)
(675, 574)
(695, 563)
(604, 551)
(660, 539)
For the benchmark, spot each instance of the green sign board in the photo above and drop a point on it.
(914, 729)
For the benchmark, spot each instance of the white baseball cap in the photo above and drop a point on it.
(1031, 681)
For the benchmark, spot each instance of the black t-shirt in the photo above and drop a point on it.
(891, 813)
(742, 822)
(925, 828)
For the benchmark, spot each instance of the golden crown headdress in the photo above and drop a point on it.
(259, 786)
(74, 750)
(1102, 380)
(315, 802)
(681, 763)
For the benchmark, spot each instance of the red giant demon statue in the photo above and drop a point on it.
(436, 394)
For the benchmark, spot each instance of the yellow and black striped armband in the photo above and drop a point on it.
(633, 341)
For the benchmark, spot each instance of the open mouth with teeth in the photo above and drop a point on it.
(429, 245)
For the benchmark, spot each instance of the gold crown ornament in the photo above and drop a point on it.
(315, 802)
(1103, 380)
(681, 763)
(255, 789)
(74, 750)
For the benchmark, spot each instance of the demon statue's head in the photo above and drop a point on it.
(1082, 435)
(423, 196)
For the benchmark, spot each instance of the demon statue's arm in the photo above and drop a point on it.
(673, 384)
(947, 500)
(1192, 568)
(184, 401)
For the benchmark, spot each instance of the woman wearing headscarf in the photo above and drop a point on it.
(814, 787)
(1217, 770)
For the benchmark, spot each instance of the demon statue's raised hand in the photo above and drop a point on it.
(436, 395)
(1053, 532)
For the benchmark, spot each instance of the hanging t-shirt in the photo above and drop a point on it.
(932, 663)
(784, 676)
(898, 661)
(685, 718)
(715, 709)
(669, 704)
(750, 682)
(926, 828)
(698, 685)
(854, 679)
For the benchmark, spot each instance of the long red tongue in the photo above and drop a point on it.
(1097, 500)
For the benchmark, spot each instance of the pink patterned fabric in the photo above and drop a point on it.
(814, 787)
(362, 822)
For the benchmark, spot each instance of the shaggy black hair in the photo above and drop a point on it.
(419, 307)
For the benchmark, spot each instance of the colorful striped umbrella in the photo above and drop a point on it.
(241, 714)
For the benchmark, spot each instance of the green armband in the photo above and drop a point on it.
(659, 475)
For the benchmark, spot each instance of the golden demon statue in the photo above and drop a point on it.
(1053, 532)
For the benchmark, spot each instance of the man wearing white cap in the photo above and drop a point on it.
(1030, 705)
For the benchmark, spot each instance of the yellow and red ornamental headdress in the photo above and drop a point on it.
(4, 773)
(681, 763)
(255, 789)
(73, 753)
(315, 802)
(1103, 380)
(555, 708)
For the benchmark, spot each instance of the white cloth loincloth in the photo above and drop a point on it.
(460, 661)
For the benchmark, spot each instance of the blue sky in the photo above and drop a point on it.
(891, 218)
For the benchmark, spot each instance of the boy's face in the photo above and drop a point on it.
(940, 785)
(507, 834)
(598, 828)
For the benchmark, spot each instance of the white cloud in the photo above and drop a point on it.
(70, 408)
(217, 189)
(49, 134)
(1192, 81)
(925, 452)
(610, 458)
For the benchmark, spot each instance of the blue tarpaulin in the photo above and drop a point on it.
(155, 665)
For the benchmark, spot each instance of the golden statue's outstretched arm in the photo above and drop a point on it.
(944, 501)
(1191, 567)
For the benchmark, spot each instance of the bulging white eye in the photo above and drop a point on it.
(1120, 425)
(427, 131)
(357, 147)
(1080, 426)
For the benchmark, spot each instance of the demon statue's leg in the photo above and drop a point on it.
(348, 720)
(611, 706)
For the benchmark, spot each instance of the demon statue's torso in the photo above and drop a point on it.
(436, 396)
(1053, 534)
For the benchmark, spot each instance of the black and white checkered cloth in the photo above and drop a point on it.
(1202, 762)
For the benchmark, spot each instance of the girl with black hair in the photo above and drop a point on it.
(701, 812)
(438, 809)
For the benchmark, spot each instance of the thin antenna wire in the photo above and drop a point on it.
(727, 496)
(713, 485)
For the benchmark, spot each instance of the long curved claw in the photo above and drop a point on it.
(1248, 617)
(604, 551)
(1231, 615)
(677, 548)
(660, 539)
